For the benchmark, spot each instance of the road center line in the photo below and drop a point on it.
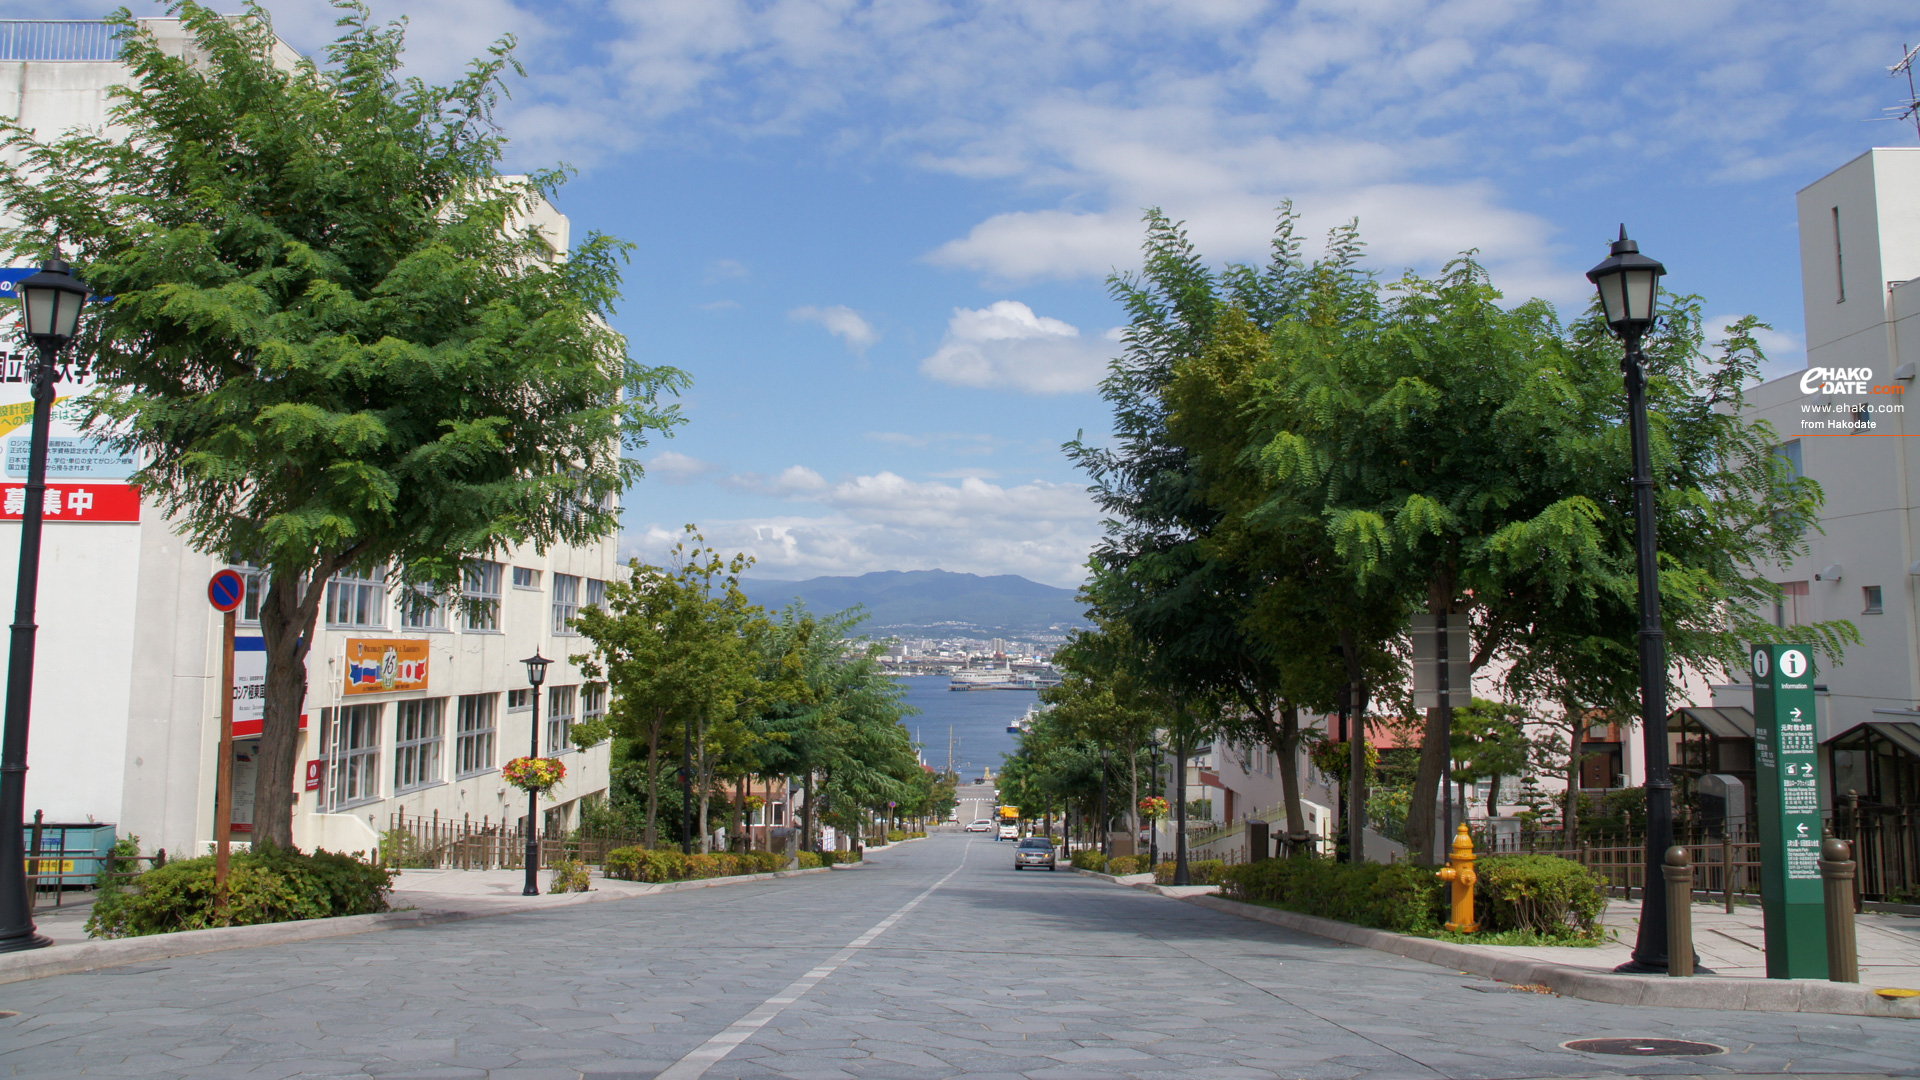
(708, 1054)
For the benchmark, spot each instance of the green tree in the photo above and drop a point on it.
(335, 340)
(1490, 743)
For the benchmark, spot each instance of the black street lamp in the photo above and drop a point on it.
(536, 674)
(1153, 785)
(51, 301)
(1629, 285)
(1105, 834)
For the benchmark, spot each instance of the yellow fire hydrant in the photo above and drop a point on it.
(1459, 871)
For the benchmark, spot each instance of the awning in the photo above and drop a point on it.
(1731, 723)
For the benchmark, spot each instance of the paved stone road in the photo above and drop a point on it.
(992, 974)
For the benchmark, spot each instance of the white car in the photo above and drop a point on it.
(982, 825)
(1008, 832)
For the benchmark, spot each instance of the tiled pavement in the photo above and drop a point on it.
(995, 974)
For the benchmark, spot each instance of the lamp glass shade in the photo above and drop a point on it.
(536, 668)
(1629, 285)
(51, 301)
(1640, 289)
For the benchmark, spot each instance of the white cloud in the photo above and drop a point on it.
(672, 467)
(1006, 345)
(842, 322)
(1039, 530)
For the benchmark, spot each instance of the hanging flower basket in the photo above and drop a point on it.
(539, 774)
(1153, 806)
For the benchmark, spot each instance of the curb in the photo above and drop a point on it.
(1700, 992)
(92, 955)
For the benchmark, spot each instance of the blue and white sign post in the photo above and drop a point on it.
(224, 592)
(1786, 752)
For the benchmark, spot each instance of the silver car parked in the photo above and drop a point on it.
(1034, 851)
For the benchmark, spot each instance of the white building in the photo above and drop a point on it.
(1846, 422)
(126, 698)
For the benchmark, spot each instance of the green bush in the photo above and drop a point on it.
(810, 860)
(639, 864)
(1199, 872)
(838, 858)
(1090, 859)
(1399, 897)
(1543, 894)
(1122, 865)
(264, 885)
(570, 875)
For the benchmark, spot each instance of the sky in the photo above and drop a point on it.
(878, 236)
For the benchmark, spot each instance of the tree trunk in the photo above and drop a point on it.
(652, 835)
(1285, 743)
(287, 616)
(705, 780)
(1493, 795)
(808, 842)
(1356, 792)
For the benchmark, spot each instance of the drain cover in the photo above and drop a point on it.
(1645, 1047)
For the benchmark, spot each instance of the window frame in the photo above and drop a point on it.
(559, 723)
(532, 576)
(352, 766)
(565, 604)
(427, 613)
(369, 592)
(525, 694)
(1873, 600)
(472, 741)
(419, 743)
(477, 604)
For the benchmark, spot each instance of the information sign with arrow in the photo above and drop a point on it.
(1788, 792)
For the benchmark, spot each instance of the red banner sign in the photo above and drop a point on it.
(74, 502)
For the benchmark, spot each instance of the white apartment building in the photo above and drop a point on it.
(1847, 422)
(126, 701)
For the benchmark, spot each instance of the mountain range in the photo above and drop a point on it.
(932, 602)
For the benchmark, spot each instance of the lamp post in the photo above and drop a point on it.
(536, 674)
(1629, 285)
(1105, 837)
(1153, 784)
(51, 301)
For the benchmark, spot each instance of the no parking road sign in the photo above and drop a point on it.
(226, 590)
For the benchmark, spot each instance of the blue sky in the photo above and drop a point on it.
(877, 235)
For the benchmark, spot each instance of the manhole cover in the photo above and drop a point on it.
(1645, 1047)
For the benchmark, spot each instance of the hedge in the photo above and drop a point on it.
(1090, 859)
(1122, 865)
(264, 885)
(640, 864)
(1199, 872)
(1542, 894)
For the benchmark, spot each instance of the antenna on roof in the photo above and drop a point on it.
(1910, 108)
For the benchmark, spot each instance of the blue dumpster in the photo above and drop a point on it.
(71, 853)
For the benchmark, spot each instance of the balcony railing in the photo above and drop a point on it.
(59, 39)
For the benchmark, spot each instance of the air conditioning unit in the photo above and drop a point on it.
(1829, 573)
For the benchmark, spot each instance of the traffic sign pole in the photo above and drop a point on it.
(224, 592)
(1785, 743)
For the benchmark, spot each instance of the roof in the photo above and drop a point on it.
(1729, 723)
(1904, 734)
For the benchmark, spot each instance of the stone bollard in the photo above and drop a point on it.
(1836, 873)
(1679, 874)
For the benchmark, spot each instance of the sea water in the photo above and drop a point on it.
(978, 719)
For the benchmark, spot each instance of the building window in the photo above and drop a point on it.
(1789, 451)
(421, 609)
(419, 731)
(524, 578)
(480, 596)
(352, 736)
(1870, 594)
(593, 702)
(255, 578)
(596, 594)
(779, 811)
(1791, 609)
(473, 748)
(354, 599)
(566, 602)
(519, 700)
(560, 702)
(1839, 262)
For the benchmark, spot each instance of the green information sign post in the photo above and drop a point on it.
(1785, 751)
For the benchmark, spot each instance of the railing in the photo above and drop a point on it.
(59, 39)
(446, 843)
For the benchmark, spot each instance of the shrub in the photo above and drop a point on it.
(640, 864)
(264, 885)
(839, 858)
(811, 860)
(1399, 897)
(570, 875)
(894, 836)
(1544, 894)
(1199, 871)
(1122, 865)
(1090, 859)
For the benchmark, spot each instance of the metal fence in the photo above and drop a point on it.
(59, 39)
(446, 843)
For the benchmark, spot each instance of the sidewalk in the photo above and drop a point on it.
(1734, 946)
